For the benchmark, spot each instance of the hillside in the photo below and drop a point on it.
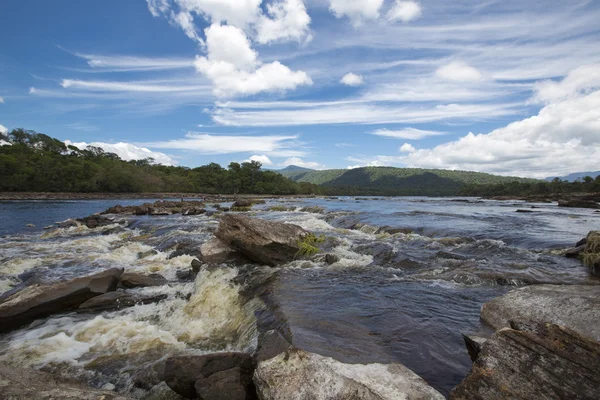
(397, 181)
(576, 175)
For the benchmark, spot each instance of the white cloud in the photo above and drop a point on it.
(581, 80)
(286, 20)
(1, 100)
(459, 71)
(3, 129)
(352, 166)
(131, 63)
(407, 133)
(108, 86)
(234, 69)
(240, 13)
(186, 22)
(264, 160)
(297, 161)
(204, 143)
(127, 151)
(158, 7)
(351, 79)
(404, 11)
(562, 138)
(407, 148)
(357, 10)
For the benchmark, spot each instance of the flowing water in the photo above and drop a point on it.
(405, 297)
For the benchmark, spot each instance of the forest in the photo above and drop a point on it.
(586, 184)
(36, 162)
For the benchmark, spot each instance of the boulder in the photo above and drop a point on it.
(591, 253)
(266, 242)
(297, 375)
(134, 279)
(117, 301)
(574, 306)
(68, 223)
(242, 204)
(95, 221)
(193, 211)
(534, 361)
(331, 258)
(27, 384)
(192, 376)
(474, 345)
(216, 252)
(39, 301)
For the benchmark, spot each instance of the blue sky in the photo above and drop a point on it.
(507, 87)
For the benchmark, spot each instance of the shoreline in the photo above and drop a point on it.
(6, 196)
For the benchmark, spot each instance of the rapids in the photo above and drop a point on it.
(405, 297)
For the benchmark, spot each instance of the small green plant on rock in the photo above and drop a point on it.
(307, 245)
(591, 255)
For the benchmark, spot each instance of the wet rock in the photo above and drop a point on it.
(591, 253)
(534, 361)
(118, 301)
(266, 242)
(574, 252)
(193, 211)
(331, 259)
(156, 211)
(524, 211)
(186, 275)
(149, 253)
(474, 345)
(450, 256)
(187, 248)
(582, 242)
(392, 231)
(196, 266)
(27, 384)
(39, 301)
(216, 252)
(242, 203)
(578, 203)
(161, 392)
(313, 210)
(95, 221)
(270, 344)
(68, 223)
(298, 375)
(574, 306)
(134, 279)
(186, 373)
(231, 384)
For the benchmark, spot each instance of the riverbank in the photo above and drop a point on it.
(129, 196)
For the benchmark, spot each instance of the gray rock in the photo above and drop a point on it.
(574, 306)
(575, 252)
(534, 361)
(265, 242)
(231, 384)
(117, 301)
(299, 375)
(134, 279)
(271, 344)
(27, 384)
(39, 301)
(216, 252)
(474, 345)
(331, 259)
(182, 373)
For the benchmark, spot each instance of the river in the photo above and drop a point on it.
(402, 298)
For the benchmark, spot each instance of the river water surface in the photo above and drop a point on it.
(405, 297)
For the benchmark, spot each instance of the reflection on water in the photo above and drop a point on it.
(405, 297)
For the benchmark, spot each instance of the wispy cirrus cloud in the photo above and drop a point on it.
(407, 133)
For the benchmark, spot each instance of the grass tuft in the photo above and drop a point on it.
(307, 245)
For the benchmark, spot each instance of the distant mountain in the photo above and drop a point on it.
(397, 181)
(575, 175)
(292, 169)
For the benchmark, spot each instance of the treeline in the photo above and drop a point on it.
(36, 162)
(587, 184)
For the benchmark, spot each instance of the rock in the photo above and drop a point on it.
(524, 211)
(232, 384)
(582, 242)
(95, 221)
(134, 279)
(196, 266)
(313, 210)
(591, 253)
(117, 301)
(187, 247)
(27, 384)
(266, 242)
(30, 226)
(331, 258)
(298, 375)
(392, 231)
(474, 345)
(216, 252)
(578, 203)
(148, 253)
(534, 361)
(68, 223)
(183, 373)
(39, 301)
(242, 203)
(193, 211)
(270, 344)
(575, 306)
(156, 211)
(450, 256)
(185, 275)
(574, 252)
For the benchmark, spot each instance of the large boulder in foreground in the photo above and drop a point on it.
(574, 306)
(28, 384)
(39, 301)
(534, 361)
(298, 375)
(226, 376)
(265, 242)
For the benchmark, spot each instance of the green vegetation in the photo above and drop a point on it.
(397, 181)
(556, 186)
(37, 162)
(307, 244)
(591, 255)
(240, 209)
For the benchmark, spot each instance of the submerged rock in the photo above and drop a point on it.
(117, 301)
(28, 384)
(134, 279)
(211, 376)
(298, 375)
(534, 361)
(266, 242)
(39, 301)
(574, 306)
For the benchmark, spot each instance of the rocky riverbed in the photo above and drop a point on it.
(295, 299)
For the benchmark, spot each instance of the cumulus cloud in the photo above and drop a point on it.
(264, 160)
(357, 10)
(404, 11)
(407, 148)
(286, 20)
(562, 138)
(235, 70)
(204, 143)
(581, 80)
(351, 79)
(3, 129)
(459, 71)
(127, 151)
(297, 161)
(407, 133)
